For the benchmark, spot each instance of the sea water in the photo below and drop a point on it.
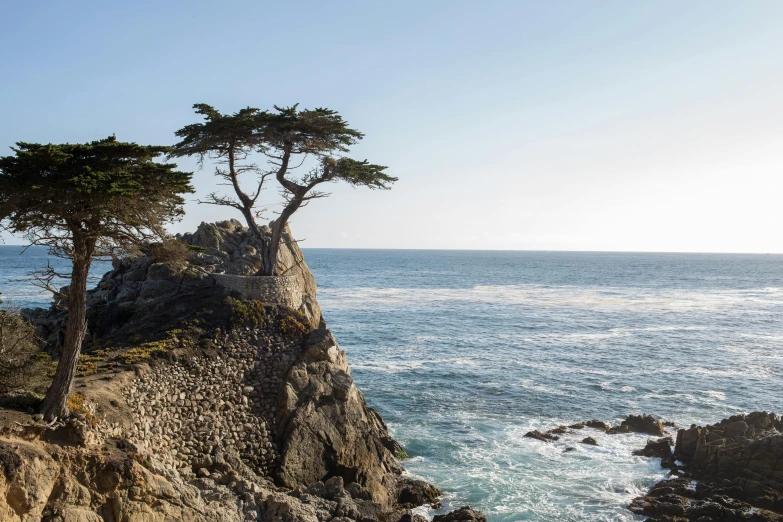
(464, 352)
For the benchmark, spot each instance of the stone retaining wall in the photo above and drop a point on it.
(280, 290)
(189, 410)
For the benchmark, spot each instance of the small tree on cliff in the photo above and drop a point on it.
(85, 201)
(287, 137)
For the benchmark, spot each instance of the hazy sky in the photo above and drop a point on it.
(589, 125)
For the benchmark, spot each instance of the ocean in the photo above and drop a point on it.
(463, 352)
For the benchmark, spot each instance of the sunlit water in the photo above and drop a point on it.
(464, 352)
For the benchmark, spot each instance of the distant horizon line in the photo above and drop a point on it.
(512, 250)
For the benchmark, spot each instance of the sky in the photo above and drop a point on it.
(563, 125)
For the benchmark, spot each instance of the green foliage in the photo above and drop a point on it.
(88, 363)
(22, 401)
(148, 350)
(145, 352)
(171, 252)
(77, 404)
(135, 338)
(287, 136)
(291, 328)
(245, 312)
(105, 194)
(20, 364)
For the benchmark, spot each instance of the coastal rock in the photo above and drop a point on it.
(639, 424)
(326, 430)
(661, 448)
(590, 441)
(735, 472)
(207, 407)
(597, 424)
(544, 437)
(140, 283)
(415, 492)
(463, 514)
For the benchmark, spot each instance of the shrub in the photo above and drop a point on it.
(18, 345)
(292, 329)
(246, 312)
(171, 252)
(77, 404)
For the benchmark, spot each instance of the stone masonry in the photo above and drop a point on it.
(280, 290)
(192, 409)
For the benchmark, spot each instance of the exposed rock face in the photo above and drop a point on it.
(54, 483)
(639, 424)
(739, 467)
(141, 284)
(245, 413)
(463, 514)
(325, 428)
(232, 249)
(661, 448)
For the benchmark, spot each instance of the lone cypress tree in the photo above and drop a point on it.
(287, 137)
(86, 201)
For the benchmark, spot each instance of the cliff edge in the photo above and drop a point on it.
(197, 402)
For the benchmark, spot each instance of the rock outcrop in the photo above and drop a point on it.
(734, 471)
(142, 284)
(200, 404)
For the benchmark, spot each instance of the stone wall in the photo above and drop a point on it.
(193, 409)
(279, 290)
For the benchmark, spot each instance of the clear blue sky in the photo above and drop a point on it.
(589, 125)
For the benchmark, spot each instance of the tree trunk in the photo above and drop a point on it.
(269, 252)
(55, 404)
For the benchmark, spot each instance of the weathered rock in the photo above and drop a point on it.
(544, 437)
(597, 424)
(639, 424)
(738, 464)
(414, 492)
(590, 441)
(340, 437)
(661, 448)
(463, 514)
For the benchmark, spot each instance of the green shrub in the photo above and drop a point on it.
(292, 329)
(246, 312)
(171, 252)
(22, 401)
(18, 346)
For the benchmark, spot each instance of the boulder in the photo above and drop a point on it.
(414, 492)
(661, 448)
(639, 424)
(544, 437)
(463, 514)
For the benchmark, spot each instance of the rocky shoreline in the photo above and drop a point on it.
(731, 470)
(196, 403)
(725, 472)
(200, 404)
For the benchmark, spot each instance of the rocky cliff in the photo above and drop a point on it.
(196, 403)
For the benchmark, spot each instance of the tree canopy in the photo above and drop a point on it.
(107, 192)
(286, 137)
(83, 201)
